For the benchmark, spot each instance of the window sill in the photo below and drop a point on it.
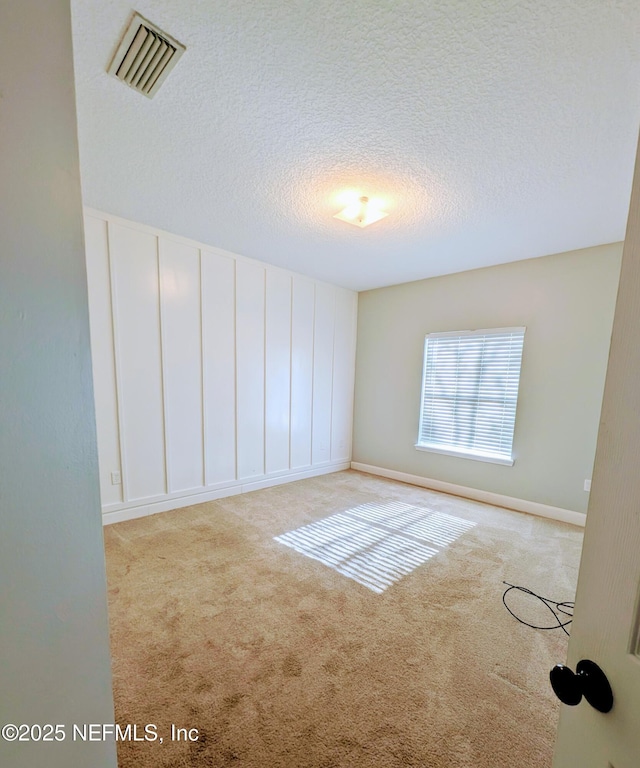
(465, 454)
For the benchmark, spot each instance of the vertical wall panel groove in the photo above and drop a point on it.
(203, 403)
(235, 369)
(313, 368)
(290, 367)
(264, 372)
(163, 386)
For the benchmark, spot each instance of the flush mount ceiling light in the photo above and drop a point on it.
(362, 211)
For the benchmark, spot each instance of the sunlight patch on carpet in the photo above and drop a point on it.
(377, 544)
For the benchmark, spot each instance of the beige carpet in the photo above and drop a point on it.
(278, 659)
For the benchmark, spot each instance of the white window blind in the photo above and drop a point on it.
(470, 392)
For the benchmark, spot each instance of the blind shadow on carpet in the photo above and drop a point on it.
(343, 620)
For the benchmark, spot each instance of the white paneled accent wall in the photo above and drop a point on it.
(213, 374)
(302, 312)
(277, 371)
(218, 276)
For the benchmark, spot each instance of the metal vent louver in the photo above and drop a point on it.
(145, 56)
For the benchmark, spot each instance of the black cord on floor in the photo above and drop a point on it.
(556, 608)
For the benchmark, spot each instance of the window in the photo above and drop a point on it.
(469, 393)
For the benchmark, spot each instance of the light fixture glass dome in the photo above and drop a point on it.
(362, 212)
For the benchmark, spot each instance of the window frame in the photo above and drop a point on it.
(465, 453)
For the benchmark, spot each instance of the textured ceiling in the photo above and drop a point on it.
(496, 130)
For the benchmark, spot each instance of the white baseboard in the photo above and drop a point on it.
(110, 516)
(497, 499)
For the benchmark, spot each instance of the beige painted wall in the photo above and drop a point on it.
(566, 301)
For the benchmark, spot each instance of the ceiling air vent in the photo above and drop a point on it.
(145, 56)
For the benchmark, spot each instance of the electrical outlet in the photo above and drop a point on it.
(115, 478)
(587, 485)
